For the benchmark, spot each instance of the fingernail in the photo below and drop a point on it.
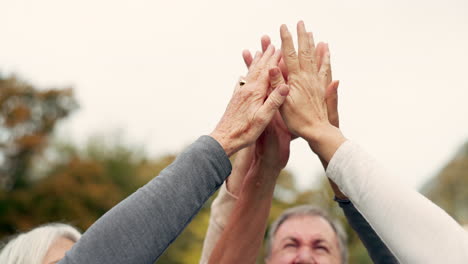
(283, 90)
(274, 72)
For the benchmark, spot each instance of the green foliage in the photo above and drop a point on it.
(66, 183)
(448, 188)
(80, 189)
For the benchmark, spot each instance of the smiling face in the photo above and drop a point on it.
(305, 239)
(57, 250)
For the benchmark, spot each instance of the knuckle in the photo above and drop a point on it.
(306, 54)
(323, 73)
(286, 37)
(246, 93)
(275, 102)
(291, 54)
(261, 119)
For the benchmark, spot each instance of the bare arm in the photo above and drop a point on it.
(242, 238)
(248, 220)
(224, 204)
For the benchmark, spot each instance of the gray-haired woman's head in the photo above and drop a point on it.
(308, 210)
(32, 247)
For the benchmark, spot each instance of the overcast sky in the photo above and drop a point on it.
(163, 71)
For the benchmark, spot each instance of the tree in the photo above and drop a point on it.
(28, 116)
(448, 188)
(79, 188)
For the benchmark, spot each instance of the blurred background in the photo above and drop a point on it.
(97, 97)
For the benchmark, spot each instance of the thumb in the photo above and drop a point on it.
(273, 103)
(331, 99)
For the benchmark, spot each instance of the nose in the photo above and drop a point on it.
(305, 256)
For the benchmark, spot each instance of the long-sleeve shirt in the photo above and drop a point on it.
(224, 203)
(414, 229)
(142, 226)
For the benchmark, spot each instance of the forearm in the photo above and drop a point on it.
(224, 204)
(142, 226)
(221, 210)
(241, 166)
(248, 220)
(413, 228)
(334, 187)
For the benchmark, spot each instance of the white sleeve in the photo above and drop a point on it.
(221, 209)
(413, 228)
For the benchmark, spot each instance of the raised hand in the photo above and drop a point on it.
(312, 98)
(305, 108)
(331, 94)
(251, 108)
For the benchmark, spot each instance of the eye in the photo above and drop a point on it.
(322, 248)
(290, 245)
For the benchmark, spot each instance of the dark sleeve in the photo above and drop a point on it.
(377, 250)
(141, 227)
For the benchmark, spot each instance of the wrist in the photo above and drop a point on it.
(263, 164)
(226, 143)
(324, 140)
(260, 179)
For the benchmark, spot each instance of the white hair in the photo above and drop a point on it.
(309, 210)
(31, 247)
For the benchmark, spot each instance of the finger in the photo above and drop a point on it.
(312, 50)
(331, 99)
(283, 69)
(329, 71)
(276, 78)
(325, 70)
(319, 51)
(247, 56)
(305, 51)
(258, 70)
(267, 55)
(265, 41)
(289, 53)
(271, 105)
(274, 60)
(255, 60)
(273, 63)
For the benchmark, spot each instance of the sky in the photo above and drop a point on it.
(162, 72)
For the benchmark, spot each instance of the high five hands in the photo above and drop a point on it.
(297, 85)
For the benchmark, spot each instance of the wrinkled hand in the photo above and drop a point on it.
(305, 107)
(272, 147)
(270, 152)
(251, 108)
(331, 92)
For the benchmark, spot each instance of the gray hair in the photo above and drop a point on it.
(31, 247)
(309, 210)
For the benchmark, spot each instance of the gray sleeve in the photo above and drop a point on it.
(377, 250)
(142, 226)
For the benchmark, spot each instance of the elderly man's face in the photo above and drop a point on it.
(305, 239)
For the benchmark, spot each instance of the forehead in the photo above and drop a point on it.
(306, 228)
